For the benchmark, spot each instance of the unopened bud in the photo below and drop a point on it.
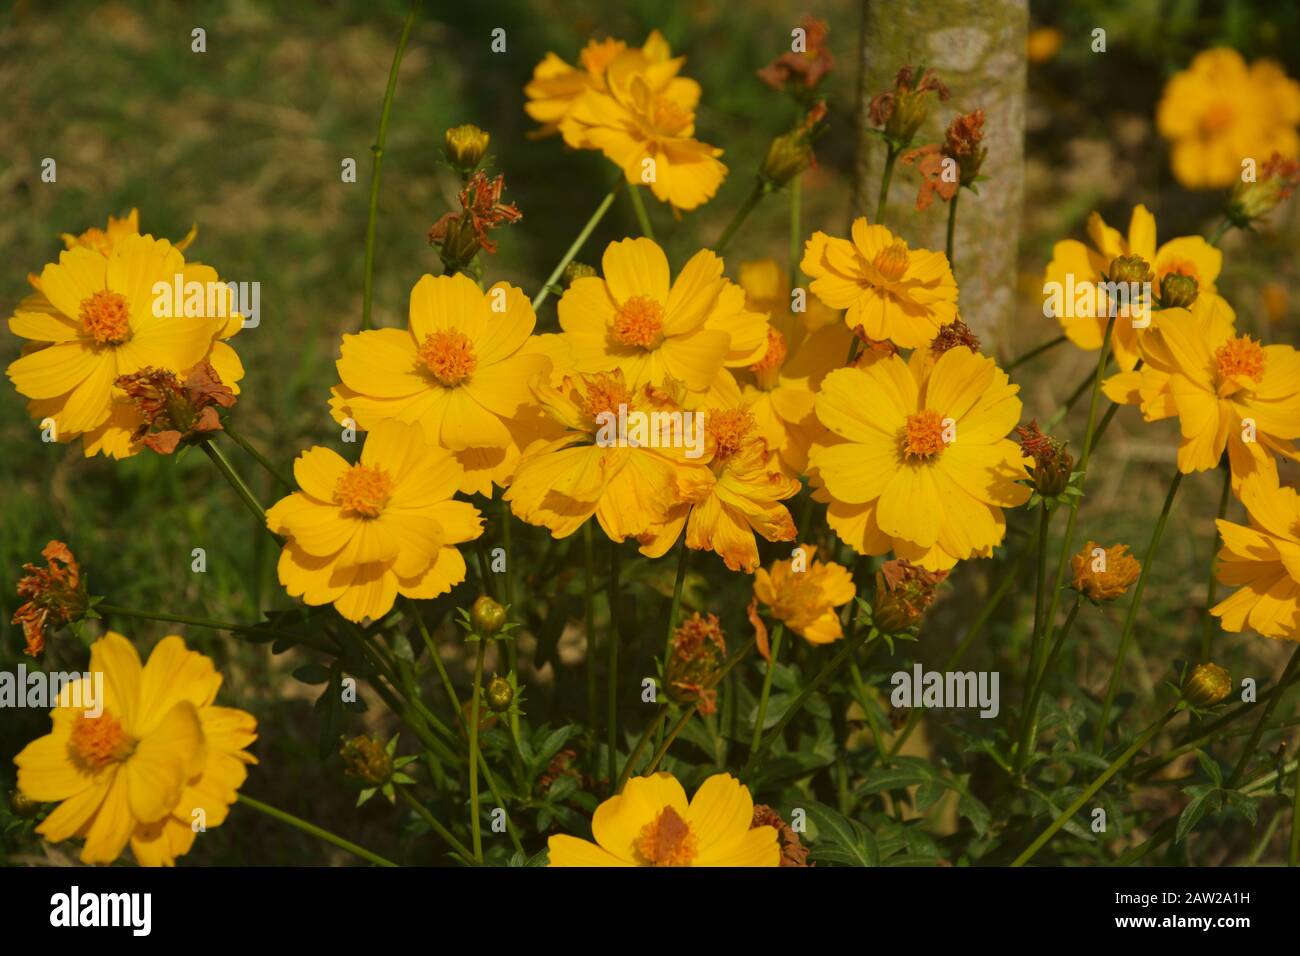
(578, 270)
(1131, 269)
(466, 146)
(1177, 291)
(499, 695)
(1206, 685)
(487, 616)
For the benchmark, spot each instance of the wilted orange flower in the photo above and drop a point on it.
(801, 71)
(461, 235)
(803, 593)
(900, 111)
(698, 649)
(173, 409)
(903, 592)
(1052, 463)
(1104, 574)
(793, 852)
(55, 596)
(929, 162)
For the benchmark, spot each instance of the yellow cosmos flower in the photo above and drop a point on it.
(779, 389)
(103, 240)
(804, 593)
(652, 328)
(158, 757)
(1219, 111)
(651, 824)
(744, 496)
(1226, 389)
(460, 369)
(556, 85)
(1263, 560)
(97, 318)
(890, 292)
(917, 460)
(643, 120)
(359, 535)
(1077, 266)
(630, 483)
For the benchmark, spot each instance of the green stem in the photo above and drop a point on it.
(1130, 618)
(241, 489)
(1029, 726)
(1211, 581)
(1293, 851)
(197, 622)
(641, 743)
(368, 277)
(831, 666)
(981, 619)
(683, 559)
(1036, 642)
(510, 647)
(890, 158)
(423, 813)
(952, 229)
(753, 199)
(687, 714)
(554, 278)
(796, 228)
(1253, 741)
(589, 588)
(448, 688)
(473, 748)
(1092, 788)
(612, 677)
(1034, 353)
(760, 717)
(1067, 542)
(258, 457)
(638, 207)
(311, 828)
(1219, 230)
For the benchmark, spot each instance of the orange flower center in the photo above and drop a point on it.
(924, 435)
(448, 354)
(364, 490)
(1180, 267)
(668, 841)
(598, 54)
(99, 741)
(106, 317)
(605, 393)
(775, 355)
(639, 322)
(1218, 118)
(1241, 356)
(728, 429)
(96, 239)
(667, 117)
(891, 261)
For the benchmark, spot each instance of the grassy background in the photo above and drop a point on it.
(246, 140)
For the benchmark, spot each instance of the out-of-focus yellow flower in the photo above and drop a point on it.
(651, 824)
(97, 318)
(1219, 112)
(802, 348)
(632, 106)
(460, 369)
(916, 459)
(1262, 560)
(1227, 390)
(1043, 44)
(1075, 266)
(356, 536)
(803, 593)
(157, 758)
(556, 85)
(889, 291)
(1104, 574)
(637, 319)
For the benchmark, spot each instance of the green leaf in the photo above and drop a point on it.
(312, 674)
(840, 840)
(1210, 766)
(1203, 800)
